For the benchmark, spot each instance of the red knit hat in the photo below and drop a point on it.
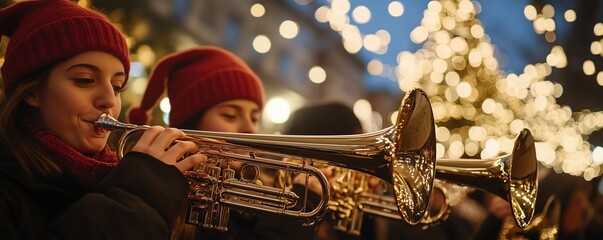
(197, 79)
(45, 32)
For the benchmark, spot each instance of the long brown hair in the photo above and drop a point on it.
(13, 132)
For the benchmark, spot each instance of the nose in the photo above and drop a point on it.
(105, 97)
(248, 126)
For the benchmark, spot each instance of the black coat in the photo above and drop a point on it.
(137, 200)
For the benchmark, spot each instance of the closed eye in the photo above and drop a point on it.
(229, 116)
(83, 82)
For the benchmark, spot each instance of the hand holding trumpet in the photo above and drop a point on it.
(157, 142)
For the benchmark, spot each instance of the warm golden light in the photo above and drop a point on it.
(261, 44)
(598, 155)
(317, 74)
(353, 45)
(278, 110)
(384, 36)
(548, 11)
(395, 9)
(393, 118)
(289, 29)
(452, 78)
(340, 7)
(479, 109)
(588, 67)
(363, 110)
(137, 85)
(539, 25)
(361, 14)
(595, 48)
(488, 106)
(257, 10)
(164, 105)
(322, 14)
(463, 89)
(419, 34)
(375, 67)
(372, 42)
(477, 31)
(549, 25)
(146, 55)
(550, 37)
(530, 12)
(570, 15)
(471, 148)
(598, 29)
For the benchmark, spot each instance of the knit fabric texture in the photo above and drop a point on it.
(197, 79)
(45, 32)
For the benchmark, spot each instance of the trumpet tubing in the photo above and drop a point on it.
(349, 206)
(403, 155)
(513, 177)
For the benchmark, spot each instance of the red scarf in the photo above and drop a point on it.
(86, 170)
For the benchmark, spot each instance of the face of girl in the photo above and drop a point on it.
(237, 116)
(76, 93)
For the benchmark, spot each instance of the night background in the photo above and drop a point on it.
(491, 68)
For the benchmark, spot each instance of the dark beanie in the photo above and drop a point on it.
(324, 119)
(45, 32)
(197, 79)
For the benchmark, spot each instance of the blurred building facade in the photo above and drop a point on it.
(160, 27)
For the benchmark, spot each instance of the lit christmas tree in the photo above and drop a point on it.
(479, 109)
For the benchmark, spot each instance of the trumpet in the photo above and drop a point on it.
(512, 177)
(403, 155)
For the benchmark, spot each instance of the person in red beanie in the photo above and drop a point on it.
(65, 66)
(209, 89)
(212, 89)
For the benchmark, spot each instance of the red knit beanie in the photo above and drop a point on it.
(197, 79)
(45, 32)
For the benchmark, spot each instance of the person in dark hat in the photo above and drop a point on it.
(212, 89)
(332, 118)
(65, 66)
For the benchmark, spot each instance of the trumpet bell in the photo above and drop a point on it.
(413, 157)
(513, 177)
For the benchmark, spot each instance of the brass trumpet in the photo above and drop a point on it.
(403, 155)
(512, 177)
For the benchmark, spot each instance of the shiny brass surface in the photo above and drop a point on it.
(545, 225)
(513, 177)
(403, 155)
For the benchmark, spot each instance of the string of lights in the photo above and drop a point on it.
(479, 109)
